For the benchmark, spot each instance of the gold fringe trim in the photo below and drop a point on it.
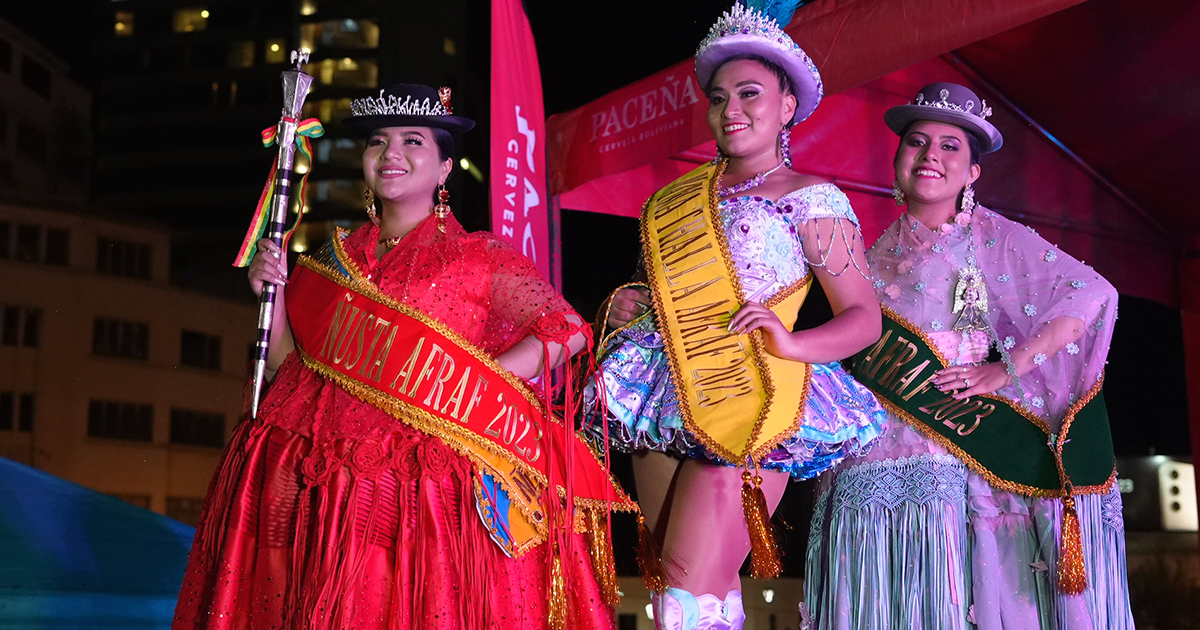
(649, 558)
(556, 608)
(765, 560)
(603, 564)
(1072, 576)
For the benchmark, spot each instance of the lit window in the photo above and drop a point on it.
(123, 24)
(276, 51)
(241, 54)
(190, 20)
(449, 47)
(347, 72)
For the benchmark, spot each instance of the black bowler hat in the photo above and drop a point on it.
(406, 105)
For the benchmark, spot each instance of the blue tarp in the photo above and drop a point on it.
(74, 558)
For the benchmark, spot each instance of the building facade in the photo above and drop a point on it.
(185, 87)
(110, 376)
(45, 124)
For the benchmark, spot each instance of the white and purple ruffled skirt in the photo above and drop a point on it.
(840, 419)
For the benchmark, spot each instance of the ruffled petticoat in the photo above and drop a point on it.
(840, 419)
(909, 537)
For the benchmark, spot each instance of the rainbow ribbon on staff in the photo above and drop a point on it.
(310, 128)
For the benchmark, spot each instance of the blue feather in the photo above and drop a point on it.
(779, 10)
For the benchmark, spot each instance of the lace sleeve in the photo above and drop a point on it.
(519, 297)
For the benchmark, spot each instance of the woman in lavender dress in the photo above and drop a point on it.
(919, 533)
(775, 229)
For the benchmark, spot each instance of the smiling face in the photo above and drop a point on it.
(404, 163)
(747, 108)
(933, 163)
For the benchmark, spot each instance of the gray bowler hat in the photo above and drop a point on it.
(952, 104)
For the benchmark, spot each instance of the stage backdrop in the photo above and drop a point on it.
(519, 200)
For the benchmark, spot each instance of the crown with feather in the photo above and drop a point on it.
(745, 31)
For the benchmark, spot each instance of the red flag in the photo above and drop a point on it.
(520, 204)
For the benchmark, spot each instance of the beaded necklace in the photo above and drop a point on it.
(757, 180)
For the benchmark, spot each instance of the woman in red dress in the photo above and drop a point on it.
(330, 512)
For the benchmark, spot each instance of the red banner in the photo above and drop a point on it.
(664, 115)
(519, 200)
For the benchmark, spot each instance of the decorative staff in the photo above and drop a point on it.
(271, 212)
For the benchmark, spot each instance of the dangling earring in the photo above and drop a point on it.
(720, 156)
(369, 197)
(442, 209)
(897, 194)
(968, 199)
(785, 145)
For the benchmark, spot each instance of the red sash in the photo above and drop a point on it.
(424, 374)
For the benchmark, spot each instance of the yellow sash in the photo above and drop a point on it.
(738, 399)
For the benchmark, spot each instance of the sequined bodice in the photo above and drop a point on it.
(764, 236)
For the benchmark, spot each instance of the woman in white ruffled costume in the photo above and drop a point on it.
(773, 230)
(921, 532)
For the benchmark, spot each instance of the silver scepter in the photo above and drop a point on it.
(295, 88)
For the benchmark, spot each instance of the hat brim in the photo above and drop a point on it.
(901, 116)
(363, 125)
(806, 81)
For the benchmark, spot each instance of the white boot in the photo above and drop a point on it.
(677, 609)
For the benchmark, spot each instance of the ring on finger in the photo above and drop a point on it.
(967, 382)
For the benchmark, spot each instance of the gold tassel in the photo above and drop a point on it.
(602, 558)
(649, 557)
(556, 609)
(1072, 576)
(765, 562)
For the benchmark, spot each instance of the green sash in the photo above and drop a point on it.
(1000, 440)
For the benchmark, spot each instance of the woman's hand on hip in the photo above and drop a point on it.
(754, 316)
(268, 265)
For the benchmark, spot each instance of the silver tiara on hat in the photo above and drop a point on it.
(944, 103)
(745, 31)
(389, 105)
